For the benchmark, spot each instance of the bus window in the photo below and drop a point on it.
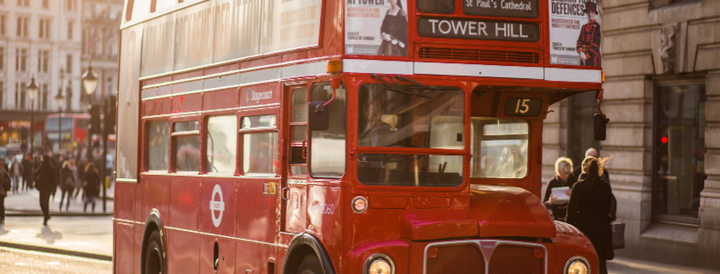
(186, 145)
(500, 147)
(298, 125)
(404, 115)
(407, 170)
(436, 6)
(260, 145)
(328, 146)
(158, 137)
(221, 142)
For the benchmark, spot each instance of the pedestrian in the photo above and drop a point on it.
(67, 185)
(27, 172)
(5, 186)
(16, 171)
(591, 152)
(46, 183)
(563, 172)
(590, 211)
(92, 186)
(81, 177)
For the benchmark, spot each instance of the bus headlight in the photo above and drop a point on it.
(379, 264)
(577, 265)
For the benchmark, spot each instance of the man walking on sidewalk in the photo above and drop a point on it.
(16, 171)
(46, 183)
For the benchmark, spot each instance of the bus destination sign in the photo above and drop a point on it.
(502, 8)
(478, 29)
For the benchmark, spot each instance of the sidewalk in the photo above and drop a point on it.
(69, 233)
(90, 237)
(27, 203)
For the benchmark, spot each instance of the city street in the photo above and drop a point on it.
(73, 243)
(31, 262)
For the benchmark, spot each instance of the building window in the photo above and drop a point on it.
(46, 4)
(71, 5)
(43, 60)
(70, 31)
(3, 17)
(45, 96)
(44, 28)
(2, 58)
(23, 3)
(2, 94)
(68, 64)
(679, 151)
(68, 97)
(22, 26)
(20, 59)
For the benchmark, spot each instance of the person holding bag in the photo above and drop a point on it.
(590, 210)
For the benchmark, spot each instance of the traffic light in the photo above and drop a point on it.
(110, 115)
(95, 119)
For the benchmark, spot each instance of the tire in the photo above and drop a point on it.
(154, 255)
(310, 265)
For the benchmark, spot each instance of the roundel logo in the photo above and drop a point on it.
(248, 95)
(217, 206)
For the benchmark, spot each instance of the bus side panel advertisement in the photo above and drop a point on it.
(376, 27)
(574, 32)
(128, 98)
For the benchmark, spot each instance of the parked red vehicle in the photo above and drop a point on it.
(334, 137)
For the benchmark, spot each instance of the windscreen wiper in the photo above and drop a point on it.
(389, 86)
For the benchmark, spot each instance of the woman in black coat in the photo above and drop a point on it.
(67, 185)
(589, 210)
(92, 186)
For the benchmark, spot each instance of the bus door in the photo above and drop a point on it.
(294, 181)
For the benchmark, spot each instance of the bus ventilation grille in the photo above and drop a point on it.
(479, 55)
(516, 259)
(456, 259)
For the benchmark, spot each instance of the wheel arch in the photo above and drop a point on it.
(302, 245)
(153, 223)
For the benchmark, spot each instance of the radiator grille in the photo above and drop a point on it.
(456, 259)
(479, 55)
(516, 259)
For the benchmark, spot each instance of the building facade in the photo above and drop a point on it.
(662, 95)
(40, 39)
(100, 43)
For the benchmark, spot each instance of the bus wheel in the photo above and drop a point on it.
(153, 255)
(310, 265)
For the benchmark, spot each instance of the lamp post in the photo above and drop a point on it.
(60, 100)
(90, 80)
(32, 90)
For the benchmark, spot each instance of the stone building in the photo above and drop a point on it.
(662, 94)
(100, 43)
(38, 38)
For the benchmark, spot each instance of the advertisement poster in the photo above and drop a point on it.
(574, 33)
(376, 27)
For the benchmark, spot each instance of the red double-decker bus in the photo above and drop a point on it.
(73, 129)
(312, 136)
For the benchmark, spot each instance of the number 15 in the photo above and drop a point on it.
(525, 108)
